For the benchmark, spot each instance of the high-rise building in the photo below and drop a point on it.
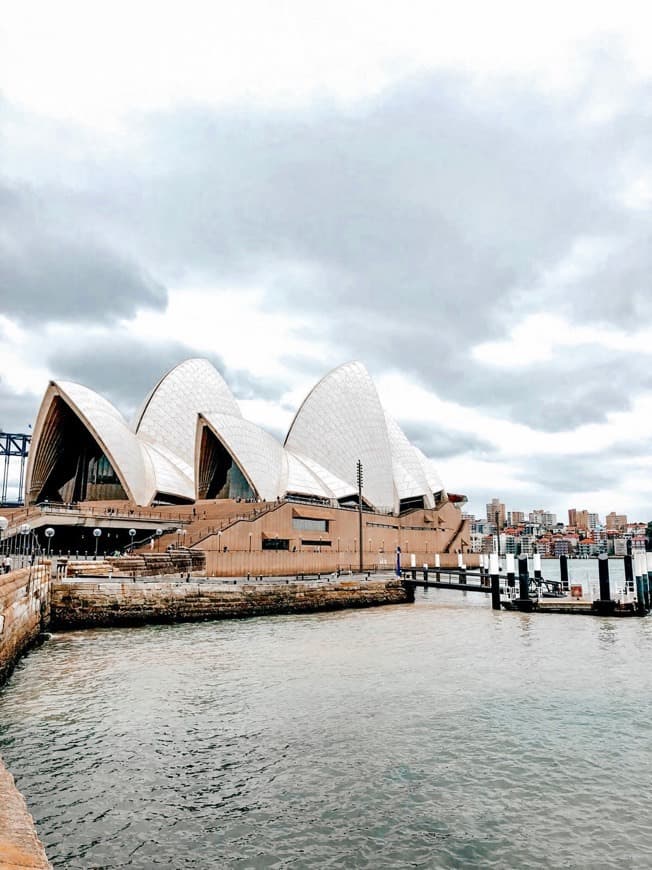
(515, 518)
(496, 513)
(594, 522)
(616, 522)
(572, 517)
(543, 518)
(582, 521)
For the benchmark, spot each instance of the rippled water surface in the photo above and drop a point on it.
(435, 735)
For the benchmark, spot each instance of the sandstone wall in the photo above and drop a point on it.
(24, 610)
(19, 843)
(84, 604)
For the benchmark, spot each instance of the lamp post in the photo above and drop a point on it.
(250, 537)
(25, 529)
(219, 540)
(360, 480)
(49, 534)
(159, 532)
(132, 535)
(498, 533)
(97, 533)
(4, 522)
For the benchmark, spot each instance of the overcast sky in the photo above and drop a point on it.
(459, 195)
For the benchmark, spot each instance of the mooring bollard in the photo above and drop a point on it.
(495, 581)
(563, 574)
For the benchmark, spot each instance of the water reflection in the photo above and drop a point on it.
(405, 736)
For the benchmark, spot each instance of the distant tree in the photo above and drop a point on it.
(648, 537)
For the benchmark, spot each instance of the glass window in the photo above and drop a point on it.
(309, 525)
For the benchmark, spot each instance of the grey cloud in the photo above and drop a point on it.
(53, 267)
(439, 442)
(17, 410)
(122, 370)
(244, 385)
(583, 473)
(407, 228)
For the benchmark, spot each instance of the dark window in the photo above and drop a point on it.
(276, 544)
(316, 543)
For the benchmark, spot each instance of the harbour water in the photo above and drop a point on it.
(436, 735)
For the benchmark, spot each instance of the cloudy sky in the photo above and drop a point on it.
(459, 195)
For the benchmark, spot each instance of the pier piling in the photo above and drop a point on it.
(495, 581)
(524, 602)
(605, 604)
(639, 568)
(563, 573)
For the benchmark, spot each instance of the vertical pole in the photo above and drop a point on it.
(437, 567)
(643, 571)
(603, 569)
(425, 572)
(359, 475)
(563, 573)
(495, 581)
(640, 594)
(523, 583)
(648, 569)
(413, 565)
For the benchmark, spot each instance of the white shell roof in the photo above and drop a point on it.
(432, 475)
(331, 485)
(170, 480)
(169, 416)
(302, 481)
(109, 428)
(259, 455)
(340, 421)
(409, 476)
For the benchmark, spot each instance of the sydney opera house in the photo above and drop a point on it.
(190, 441)
(191, 451)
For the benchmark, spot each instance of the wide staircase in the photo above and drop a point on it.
(141, 565)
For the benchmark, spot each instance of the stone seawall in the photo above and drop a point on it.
(24, 610)
(78, 604)
(20, 846)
